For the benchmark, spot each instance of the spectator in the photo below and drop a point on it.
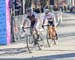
(64, 5)
(37, 10)
(55, 8)
(18, 7)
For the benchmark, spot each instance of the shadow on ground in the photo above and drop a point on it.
(67, 24)
(67, 34)
(11, 51)
(51, 57)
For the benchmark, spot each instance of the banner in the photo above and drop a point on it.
(4, 22)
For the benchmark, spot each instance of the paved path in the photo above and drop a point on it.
(64, 50)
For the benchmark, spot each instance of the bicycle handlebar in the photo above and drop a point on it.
(25, 28)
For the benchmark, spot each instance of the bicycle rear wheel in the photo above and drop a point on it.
(40, 42)
(30, 43)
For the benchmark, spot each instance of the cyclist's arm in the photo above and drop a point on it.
(24, 23)
(44, 20)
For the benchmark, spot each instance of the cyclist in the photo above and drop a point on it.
(50, 17)
(33, 18)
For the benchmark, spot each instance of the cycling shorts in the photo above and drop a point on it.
(50, 23)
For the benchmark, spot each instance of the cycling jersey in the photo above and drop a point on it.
(33, 19)
(50, 18)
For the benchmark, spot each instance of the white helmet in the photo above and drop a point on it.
(46, 10)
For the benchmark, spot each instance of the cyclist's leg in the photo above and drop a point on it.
(54, 31)
(34, 36)
(37, 33)
(50, 31)
(52, 34)
(32, 33)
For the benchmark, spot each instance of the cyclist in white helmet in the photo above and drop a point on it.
(49, 16)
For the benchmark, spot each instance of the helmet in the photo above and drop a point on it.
(46, 10)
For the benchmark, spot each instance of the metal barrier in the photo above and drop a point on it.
(18, 34)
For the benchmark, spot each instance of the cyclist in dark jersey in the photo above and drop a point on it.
(33, 18)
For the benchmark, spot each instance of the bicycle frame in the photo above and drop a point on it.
(27, 38)
(50, 34)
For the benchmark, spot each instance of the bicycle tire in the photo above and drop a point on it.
(37, 41)
(30, 45)
(48, 40)
(27, 42)
(40, 42)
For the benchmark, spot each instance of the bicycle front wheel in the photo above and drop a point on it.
(28, 43)
(48, 39)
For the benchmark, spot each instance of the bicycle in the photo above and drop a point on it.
(50, 35)
(30, 42)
